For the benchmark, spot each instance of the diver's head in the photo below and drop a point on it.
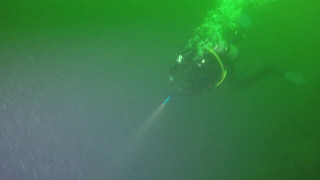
(191, 74)
(235, 36)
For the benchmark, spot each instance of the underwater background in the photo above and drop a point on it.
(77, 79)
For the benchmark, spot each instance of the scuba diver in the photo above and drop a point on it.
(209, 56)
(192, 73)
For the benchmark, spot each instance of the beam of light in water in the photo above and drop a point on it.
(149, 121)
(132, 146)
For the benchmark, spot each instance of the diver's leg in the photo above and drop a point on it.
(234, 80)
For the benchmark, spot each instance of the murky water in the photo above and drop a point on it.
(77, 80)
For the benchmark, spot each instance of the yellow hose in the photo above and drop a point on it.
(223, 71)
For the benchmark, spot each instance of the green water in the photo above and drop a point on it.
(79, 78)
